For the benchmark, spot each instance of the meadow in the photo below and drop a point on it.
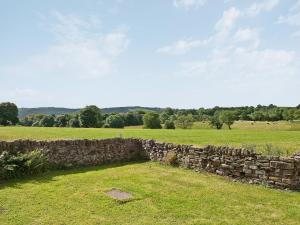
(161, 195)
(282, 136)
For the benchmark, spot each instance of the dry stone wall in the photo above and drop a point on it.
(81, 152)
(239, 164)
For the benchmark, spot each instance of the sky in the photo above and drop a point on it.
(163, 53)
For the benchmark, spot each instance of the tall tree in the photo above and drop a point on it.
(227, 117)
(151, 120)
(215, 121)
(8, 114)
(90, 116)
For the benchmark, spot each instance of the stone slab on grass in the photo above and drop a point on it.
(118, 194)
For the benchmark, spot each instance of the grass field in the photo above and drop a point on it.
(162, 195)
(286, 141)
(252, 125)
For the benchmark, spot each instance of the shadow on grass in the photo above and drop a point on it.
(50, 175)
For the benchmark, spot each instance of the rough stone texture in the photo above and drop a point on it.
(81, 152)
(239, 164)
(118, 194)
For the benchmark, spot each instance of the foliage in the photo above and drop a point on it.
(62, 120)
(184, 121)
(288, 114)
(169, 124)
(151, 120)
(164, 117)
(114, 121)
(47, 121)
(90, 116)
(21, 164)
(133, 118)
(215, 121)
(8, 113)
(227, 117)
(74, 122)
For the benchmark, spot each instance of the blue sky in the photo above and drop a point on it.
(177, 53)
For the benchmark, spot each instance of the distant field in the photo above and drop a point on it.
(286, 141)
(251, 125)
(161, 195)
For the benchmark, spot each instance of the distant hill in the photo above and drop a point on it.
(57, 111)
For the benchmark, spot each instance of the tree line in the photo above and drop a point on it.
(91, 116)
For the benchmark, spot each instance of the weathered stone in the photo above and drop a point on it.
(241, 164)
(260, 172)
(287, 181)
(275, 178)
(253, 167)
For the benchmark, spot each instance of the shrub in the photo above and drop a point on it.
(171, 158)
(74, 122)
(169, 124)
(47, 121)
(114, 121)
(184, 121)
(151, 120)
(21, 164)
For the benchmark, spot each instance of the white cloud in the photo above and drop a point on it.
(296, 6)
(189, 4)
(227, 22)
(80, 50)
(235, 55)
(250, 36)
(182, 46)
(222, 27)
(292, 19)
(244, 65)
(262, 6)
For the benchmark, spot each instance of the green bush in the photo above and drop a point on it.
(115, 121)
(22, 164)
(151, 121)
(169, 124)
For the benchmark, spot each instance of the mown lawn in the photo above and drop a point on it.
(287, 141)
(162, 195)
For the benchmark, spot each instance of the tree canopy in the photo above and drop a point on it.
(8, 114)
(151, 120)
(90, 116)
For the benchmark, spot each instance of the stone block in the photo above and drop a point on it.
(276, 179)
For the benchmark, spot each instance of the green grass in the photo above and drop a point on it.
(258, 125)
(287, 141)
(162, 195)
